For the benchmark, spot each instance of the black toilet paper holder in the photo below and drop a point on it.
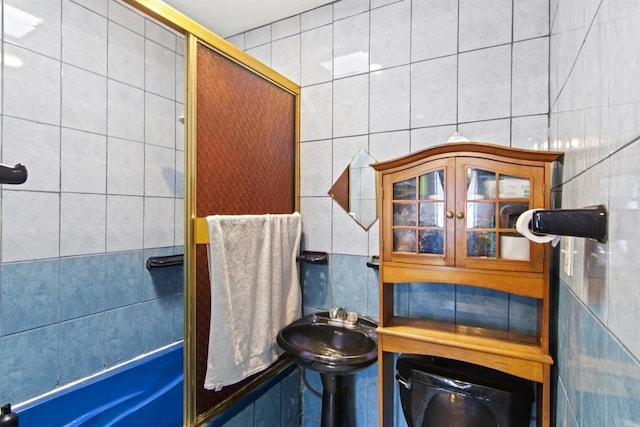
(589, 222)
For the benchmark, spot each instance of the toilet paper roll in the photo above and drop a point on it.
(522, 226)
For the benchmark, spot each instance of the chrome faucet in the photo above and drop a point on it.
(338, 313)
(342, 316)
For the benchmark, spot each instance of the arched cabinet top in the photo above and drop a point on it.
(456, 149)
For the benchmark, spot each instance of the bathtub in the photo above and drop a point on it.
(144, 392)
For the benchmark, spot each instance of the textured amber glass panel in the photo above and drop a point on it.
(245, 165)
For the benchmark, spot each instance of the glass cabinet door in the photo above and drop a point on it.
(494, 201)
(419, 214)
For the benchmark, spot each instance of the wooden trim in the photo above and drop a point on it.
(468, 149)
(525, 284)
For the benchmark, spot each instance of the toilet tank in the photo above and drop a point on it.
(438, 392)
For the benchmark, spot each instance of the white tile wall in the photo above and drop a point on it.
(262, 53)
(124, 223)
(485, 84)
(91, 103)
(125, 55)
(257, 37)
(493, 131)
(530, 19)
(83, 162)
(124, 173)
(351, 45)
(159, 171)
(84, 38)
(344, 151)
(286, 27)
(316, 112)
(594, 62)
(160, 121)
(126, 17)
(47, 40)
(400, 76)
(530, 77)
(434, 92)
(125, 112)
(316, 227)
(160, 35)
(30, 224)
(36, 145)
(82, 223)
(159, 70)
(484, 24)
(351, 106)
(389, 99)
(422, 138)
(28, 75)
(316, 57)
(388, 145)
(316, 17)
(84, 100)
(316, 156)
(285, 56)
(390, 35)
(158, 222)
(434, 29)
(344, 9)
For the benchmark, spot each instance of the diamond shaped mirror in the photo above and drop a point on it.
(355, 190)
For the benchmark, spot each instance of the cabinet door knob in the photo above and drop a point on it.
(450, 214)
(460, 215)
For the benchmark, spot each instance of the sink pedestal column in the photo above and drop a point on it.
(336, 399)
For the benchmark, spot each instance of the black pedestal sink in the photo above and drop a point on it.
(335, 349)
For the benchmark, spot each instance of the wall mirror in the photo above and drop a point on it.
(355, 190)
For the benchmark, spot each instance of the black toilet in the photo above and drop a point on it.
(438, 392)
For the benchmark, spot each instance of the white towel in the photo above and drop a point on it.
(255, 292)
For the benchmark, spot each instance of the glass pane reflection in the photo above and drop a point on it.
(432, 214)
(480, 184)
(509, 213)
(404, 240)
(481, 244)
(431, 242)
(513, 187)
(480, 215)
(405, 190)
(432, 185)
(404, 214)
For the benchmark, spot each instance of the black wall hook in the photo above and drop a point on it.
(590, 222)
(13, 175)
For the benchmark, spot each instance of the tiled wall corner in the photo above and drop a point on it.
(594, 103)
(92, 112)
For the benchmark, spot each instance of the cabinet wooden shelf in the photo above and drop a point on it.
(516, 354)
(448, 215)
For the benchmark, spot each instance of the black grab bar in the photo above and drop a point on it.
(13, 175)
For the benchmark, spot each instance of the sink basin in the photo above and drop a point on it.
(324, 345)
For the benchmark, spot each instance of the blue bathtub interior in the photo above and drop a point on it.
(144, 392)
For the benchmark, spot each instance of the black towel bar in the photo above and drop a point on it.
(311, 257)
(164, 261)
(13, 175)
(374, 263)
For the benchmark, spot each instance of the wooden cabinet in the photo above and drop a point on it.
(447, 215)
